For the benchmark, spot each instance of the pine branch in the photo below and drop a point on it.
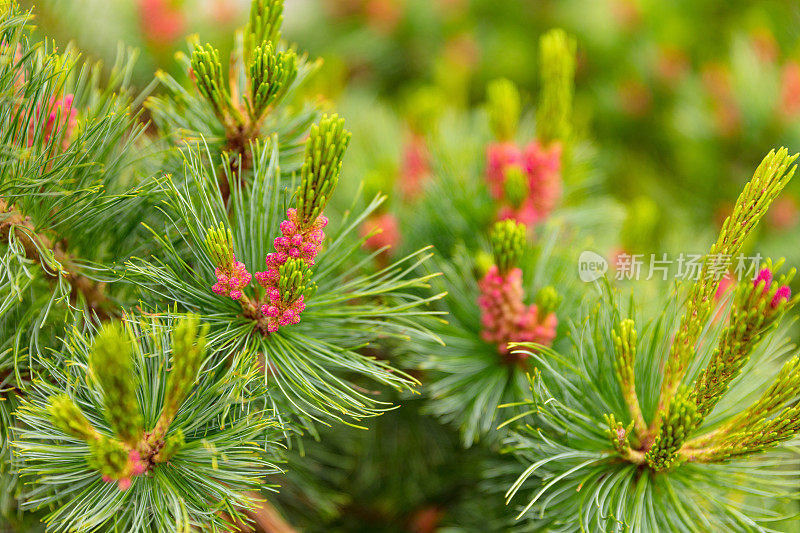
(583, 461)
(322, 165)
(503, 105)
(208, 459)
(678, 423)
(311, 348)
(266, 519)
(755, 438)
(264, 24)
(784, 388)
(756, 309)
(625, 343)
(557, 66)
(769, 179)
(228, 115)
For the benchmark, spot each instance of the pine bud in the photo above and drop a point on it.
(172, 445)
(271, 74)
(188, 353)
(322, 164)
(67, 417)
(264, 24)
(508, 242)
(292, 285)
(109, 457)
(778, 294)
(483, 262)
(111, 363)
(680, 419)
(618, 434)
(625, 348)
(516, 186)
(547, 301)
(557, 67)
(219, 244)
(781, 297)
(207, 69)
(287, 298)
(756, 308)
(232, 275)
(423, 107)
(503, 107)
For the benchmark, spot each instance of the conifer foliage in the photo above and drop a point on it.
(203, 328)
(607, 440)
(172, 319)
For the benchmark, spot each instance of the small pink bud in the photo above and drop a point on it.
(316, 236)
(781, 295)
(124, 483)
(504, 318)
(380, 231)
(764, 275)
(138, 467)
(499, 158)
(236, 294)
(288, 228)
(288, 317)
(273, 260)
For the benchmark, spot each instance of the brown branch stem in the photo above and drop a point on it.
(32, 242)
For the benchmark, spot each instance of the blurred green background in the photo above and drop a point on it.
(682, 98)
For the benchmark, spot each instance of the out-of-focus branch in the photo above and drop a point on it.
(265, 519)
